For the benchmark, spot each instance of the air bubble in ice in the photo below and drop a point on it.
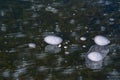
(101, 40)
(95, 56)
(53, 40)
(32, 45)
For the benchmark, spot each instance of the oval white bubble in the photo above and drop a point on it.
(101, 40)
(95, 56)
(53, 40)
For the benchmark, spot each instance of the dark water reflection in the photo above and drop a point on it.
(25, 56)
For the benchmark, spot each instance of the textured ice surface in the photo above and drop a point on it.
(23, 22)
(52, 49)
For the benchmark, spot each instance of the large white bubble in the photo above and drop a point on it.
(95, 56)
(53, 40)
(101, 40)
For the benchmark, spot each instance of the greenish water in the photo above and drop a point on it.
(25, 22)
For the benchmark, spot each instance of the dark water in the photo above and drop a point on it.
(26, 22)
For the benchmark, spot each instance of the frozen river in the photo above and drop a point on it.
(24, 54)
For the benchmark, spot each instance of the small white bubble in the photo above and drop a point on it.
(59, 45)
(66, 42)
(111, 19)
(86, 27)
(105, 14)
(74, 14)
(65, 47)
(32, 45)
(82, 38)
(66, 52)
(84, 46)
